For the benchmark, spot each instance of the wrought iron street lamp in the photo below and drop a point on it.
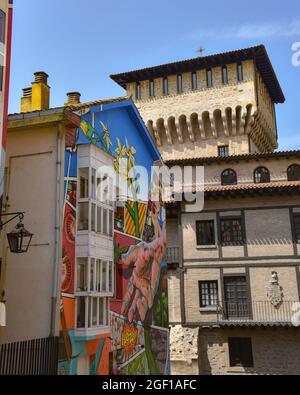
(19, 239)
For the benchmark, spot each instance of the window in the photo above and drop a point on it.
(194, 81)
(262, 175)
(82, 275)
(297, 227)
(2, 26)
(205, 233)
(81, 316)
(95, 276)
(240, 352)
(84, 183)
(293, 173)
(151, 88)
(95, 283)
(232, 231)
(92, 312)
(138, 91)
(209, 78)
(229, 177)
(83, 216)
(208, 293)
(165, 86)
(104, 230)
(99, 219)
(179, 83)
(240, 73)
(236, 297)
(224, 75)
(223, 151)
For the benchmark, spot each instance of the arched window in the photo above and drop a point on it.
(261, 175)
(229, 177)
(293, 173)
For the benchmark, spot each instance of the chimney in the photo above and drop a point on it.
(26, 100)
(40, 92)
(73, 98)
(36, 98)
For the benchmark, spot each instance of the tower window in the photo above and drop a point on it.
(240, 73)
(209, 78)
(223, 151)
(194, 81)
(151, 88)
(229, 177)
(138, 91)
(179, 83)
(262, 175)
(224, 75)
(165, 86)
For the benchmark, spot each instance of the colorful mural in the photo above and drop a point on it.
(138, 318)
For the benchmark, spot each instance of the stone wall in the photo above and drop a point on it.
(275, 351)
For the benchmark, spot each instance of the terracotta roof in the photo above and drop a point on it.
(258, 54)
(246, 187)
(211, 191)
(75, 107)
(233, 158)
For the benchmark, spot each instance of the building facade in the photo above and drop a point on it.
(6, 10)
(195, 107)
(95, 279)
(234, 257)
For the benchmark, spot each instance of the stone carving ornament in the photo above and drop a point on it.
(274, 291)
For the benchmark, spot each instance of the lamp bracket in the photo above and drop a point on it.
(13, 215)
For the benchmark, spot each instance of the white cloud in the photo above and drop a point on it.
(254, 31)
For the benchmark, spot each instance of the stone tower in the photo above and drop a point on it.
(216, 105)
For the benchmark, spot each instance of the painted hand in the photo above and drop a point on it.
(143, 284)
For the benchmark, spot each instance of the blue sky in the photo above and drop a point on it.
(79, 43)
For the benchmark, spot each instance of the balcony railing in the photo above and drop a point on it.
(259, 312)
(173, 255)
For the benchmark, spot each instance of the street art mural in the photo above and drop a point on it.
(138, 342)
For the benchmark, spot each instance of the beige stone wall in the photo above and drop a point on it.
(31, 164)
(192, 298)
(174, 296)
(184, 350)
(206, 112)
(259, 281)
(287, 276)
(265, 101)
(275, 351)
(249, 75)
(269, 232)
(245, 170)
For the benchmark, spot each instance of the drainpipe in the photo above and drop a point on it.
(57, 243)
